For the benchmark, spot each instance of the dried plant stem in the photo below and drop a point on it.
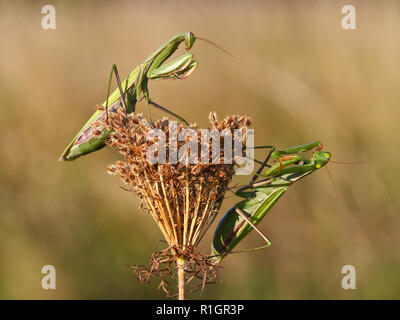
(203, 219)
(169, 209)
(194, 220)
(187, 209)
(180, 262)
(178, 215)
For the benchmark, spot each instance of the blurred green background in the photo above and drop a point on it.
(295, 71)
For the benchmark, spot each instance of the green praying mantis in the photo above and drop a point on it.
(290, 165)
(134, 88)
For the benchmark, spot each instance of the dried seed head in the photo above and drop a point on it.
(179, 196)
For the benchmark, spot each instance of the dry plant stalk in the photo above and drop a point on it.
(180, 197)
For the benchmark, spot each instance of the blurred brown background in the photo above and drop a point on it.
(295, 71)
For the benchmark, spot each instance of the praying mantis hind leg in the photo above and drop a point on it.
(114, 70)
(250, 186)
(246, 218)
(263, 164)
(127, 97)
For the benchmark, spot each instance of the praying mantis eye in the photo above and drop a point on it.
(189, 40)
(327, 155)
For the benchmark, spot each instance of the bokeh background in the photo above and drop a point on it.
(295, 71)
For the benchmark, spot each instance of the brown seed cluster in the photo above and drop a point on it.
(181, 196)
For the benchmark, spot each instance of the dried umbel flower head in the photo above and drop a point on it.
(180, 195)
